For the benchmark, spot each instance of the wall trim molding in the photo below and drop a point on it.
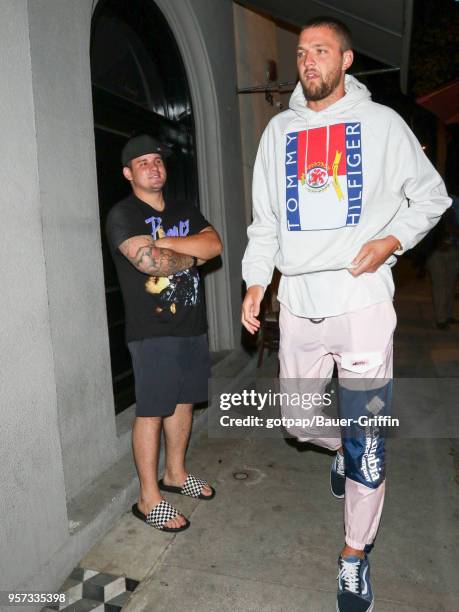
(185, 26)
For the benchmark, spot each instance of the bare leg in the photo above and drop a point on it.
(177, 429)
(146, 435)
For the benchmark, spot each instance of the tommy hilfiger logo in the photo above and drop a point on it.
(324, 177)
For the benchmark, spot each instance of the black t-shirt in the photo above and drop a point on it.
(157, 306)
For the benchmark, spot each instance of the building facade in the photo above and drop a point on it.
(60, 433)
(66, 468)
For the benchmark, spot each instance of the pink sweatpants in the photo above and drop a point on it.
(360, 343)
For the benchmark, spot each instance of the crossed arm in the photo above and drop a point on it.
(205, 245)
(156, 258)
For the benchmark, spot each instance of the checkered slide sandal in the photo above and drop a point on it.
(192, 487)
(159, 516)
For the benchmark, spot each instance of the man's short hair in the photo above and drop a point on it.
(340, 29)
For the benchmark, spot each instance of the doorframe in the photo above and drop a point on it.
(185, 27)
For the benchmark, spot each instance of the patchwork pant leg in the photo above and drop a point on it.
(365, 372)
(360, 343)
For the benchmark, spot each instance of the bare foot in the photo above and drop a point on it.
(174, 481)
(206, 490)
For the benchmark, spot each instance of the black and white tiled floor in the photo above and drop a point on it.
(89, 590)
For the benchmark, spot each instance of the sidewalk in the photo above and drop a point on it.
(270, 538)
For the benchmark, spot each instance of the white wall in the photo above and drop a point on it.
(59, 42)
(32, 501)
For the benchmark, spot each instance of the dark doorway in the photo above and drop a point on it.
(139, 85)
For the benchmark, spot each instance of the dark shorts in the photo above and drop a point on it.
(169, 370)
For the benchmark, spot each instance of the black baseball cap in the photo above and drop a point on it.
(142, 145)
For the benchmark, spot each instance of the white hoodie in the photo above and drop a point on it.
(324, 184)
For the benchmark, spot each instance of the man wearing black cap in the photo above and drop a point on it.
(156, 246)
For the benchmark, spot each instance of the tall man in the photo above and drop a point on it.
(156, 245)
(340, 185)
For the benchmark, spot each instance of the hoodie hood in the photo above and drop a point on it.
(356, 93)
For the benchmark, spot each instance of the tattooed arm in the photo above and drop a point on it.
(205, 245)
(152, 260)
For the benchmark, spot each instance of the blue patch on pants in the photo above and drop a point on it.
(364, 441)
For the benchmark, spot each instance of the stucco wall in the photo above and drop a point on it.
(287, 41)
(255, 37)
(259, 39)
(216, 22)
(33, 519)
(59, 42)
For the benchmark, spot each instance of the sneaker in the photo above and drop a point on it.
(354, 588)
(337, 476)
(368, 548)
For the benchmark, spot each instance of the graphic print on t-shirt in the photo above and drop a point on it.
(180, 289)
(157, 231)
(323, 172)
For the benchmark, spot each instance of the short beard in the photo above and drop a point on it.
(314, 93)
